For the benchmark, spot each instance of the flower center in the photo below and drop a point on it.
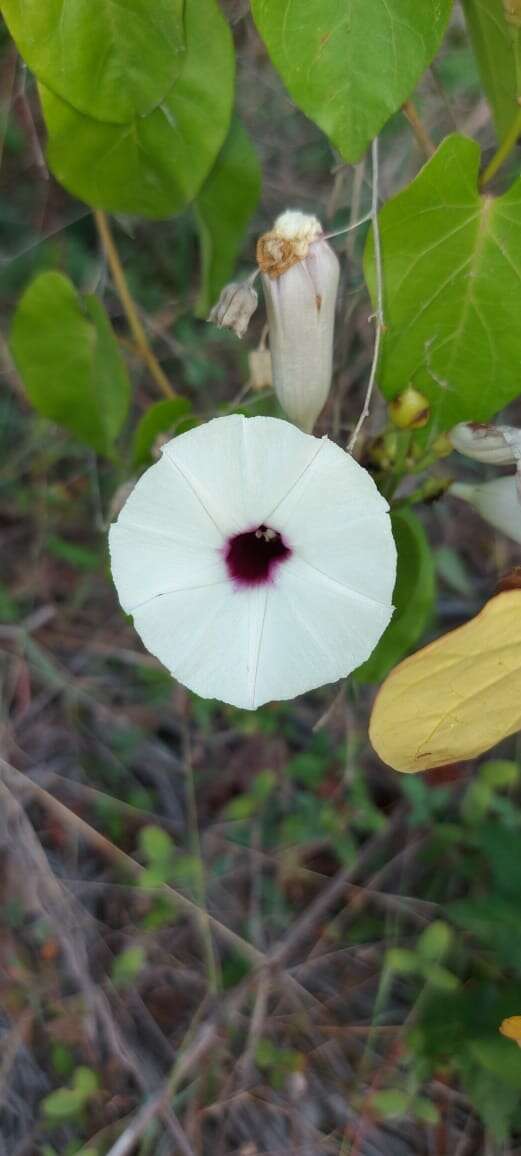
(253, 557)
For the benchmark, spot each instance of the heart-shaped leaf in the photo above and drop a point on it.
(111, 59)
(69, 360)
(350, 64)
(154, 165)
(452, 288)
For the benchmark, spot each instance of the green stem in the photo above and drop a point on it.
(507, 146)
(398, 471)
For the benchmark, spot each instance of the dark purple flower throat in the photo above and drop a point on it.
(253, 557)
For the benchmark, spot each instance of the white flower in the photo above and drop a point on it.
(495, 444)
(258, 561)
(498, 502)
(300, 275)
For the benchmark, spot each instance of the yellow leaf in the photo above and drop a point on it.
(511, 1028)
(455, 698)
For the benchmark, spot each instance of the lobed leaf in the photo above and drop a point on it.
(452, 286)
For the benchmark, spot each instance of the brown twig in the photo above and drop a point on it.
(116, 855)
(420, 132)
(127, 301)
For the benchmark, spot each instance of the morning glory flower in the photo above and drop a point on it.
(498, 502)
(257, 561)
(496, 445)
(300, 274)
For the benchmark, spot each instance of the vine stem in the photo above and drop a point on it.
(129, 305)
(379, 315)
(425, 142)
(503, 152)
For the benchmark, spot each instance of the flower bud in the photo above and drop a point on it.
(498, 502)
(235, 307)
(260, 369)
(410, 410)
(300, 275)
(497, 445)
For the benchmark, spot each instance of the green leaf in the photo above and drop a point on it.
(495, 922)
(391, 1103)
(476, 801)
(452, 281)
(161, 418)
(425, 1110)
(439, 977)
(127, 966)
(156, 844)
(223, 210)
(65, 1103)
(73, 554)
(497, 773)
(494, 1100)
(85, 1081)
(501, 848)
(62, 1059)
(155, 164)
(401, 960)
(435, 941)
(500, 1056)
(111, 59)
(497, 47)
(69, 360)
(242, 807)
(350, 65)
(413, 597)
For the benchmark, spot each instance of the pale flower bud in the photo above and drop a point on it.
(498, 502)
(235, 307)
(497, 445)
(259, 361)
(300, 274)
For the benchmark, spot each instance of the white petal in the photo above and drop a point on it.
(208, 639)
(241, 468)
(164, 503)
(315, 631)
(337, 521)
(499, 502)
(145, 565)
(494, 444)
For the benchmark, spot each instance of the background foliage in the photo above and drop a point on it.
(248, 923)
